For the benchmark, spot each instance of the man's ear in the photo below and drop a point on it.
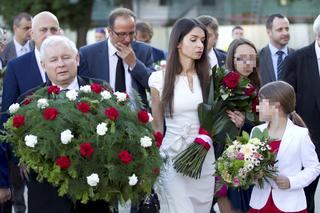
(43, 64)
(78, 59)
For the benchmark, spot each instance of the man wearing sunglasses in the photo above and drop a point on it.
(124, 63)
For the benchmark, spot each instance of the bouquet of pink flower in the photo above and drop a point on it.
(247, 161)
(228, 91)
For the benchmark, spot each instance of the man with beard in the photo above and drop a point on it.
(271, 56)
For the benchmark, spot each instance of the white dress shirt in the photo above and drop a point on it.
(113, 60)
(213, 60)
(21, 50)
(73, 86)
(274, 57)
(317, 54)
(42, 71)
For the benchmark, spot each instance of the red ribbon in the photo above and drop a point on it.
(202, 142)
(202, 131)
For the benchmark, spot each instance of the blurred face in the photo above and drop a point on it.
(192, 45)
(45, 26)
(267, 110)
(123, 30)
(237, 33)
(99, 36)
(212, 38)
(22, 32)
(245, 59)
(60, 63)
(279, 33)
(143, 36)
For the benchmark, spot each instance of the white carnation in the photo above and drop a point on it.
(14, 108)
(145, 141)
(31, 140)
(133, 180)
(93, 179)
(102, 128)
(150, 117)
(121, 96)
(105, 95)
(85, 89)
(42, 103)
(72, 95)
(66, 136)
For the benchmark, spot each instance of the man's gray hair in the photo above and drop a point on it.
(55, 40)
(316, 26)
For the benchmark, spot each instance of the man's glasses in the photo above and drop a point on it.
(123, 35)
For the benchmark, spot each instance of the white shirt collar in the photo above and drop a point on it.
(42, 72)
(213, 60)
(19, 47)
(112, 49)
(274, 50)
(317, 48)
(73, 86)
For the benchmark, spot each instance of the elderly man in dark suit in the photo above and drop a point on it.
(271, 56)
(301, 69)
(21, 43)
(122, 62)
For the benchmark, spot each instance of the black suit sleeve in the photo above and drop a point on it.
(289, 71)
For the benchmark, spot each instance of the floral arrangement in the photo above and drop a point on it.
(228, 91)
(92, 144)
(160, 65)
(247, 161)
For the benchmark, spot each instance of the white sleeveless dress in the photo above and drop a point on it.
(178, 193)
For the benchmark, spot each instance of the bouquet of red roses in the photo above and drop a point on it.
(228, 91)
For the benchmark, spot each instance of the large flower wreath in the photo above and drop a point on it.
(92, 144)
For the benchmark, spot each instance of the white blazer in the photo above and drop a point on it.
(296, 151)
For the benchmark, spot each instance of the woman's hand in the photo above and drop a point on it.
(282, 182)
(236, 117)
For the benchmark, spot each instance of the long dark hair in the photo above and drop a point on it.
(254, 76)
(283, 93)
(181, 28)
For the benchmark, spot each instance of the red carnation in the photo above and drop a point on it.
(231, 80)
(249, 90)
(18, 120)
(63, 162)
(50, 113)
(86, 149)
(27, 101)
(96, 88)
(83, 107)
(53, 90)
(112, 113)
(158, 137)
(125, 156)
(143, 116)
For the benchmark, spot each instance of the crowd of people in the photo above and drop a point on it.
(289, 107)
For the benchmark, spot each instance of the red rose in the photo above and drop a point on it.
(231, 80)
(50, 113)
(86, 150)
(63, 162)
(156, 171)
(158, 137)
(18, 120)
(249, 90)
(96, 88)
(112, 113)
(143, 116)
(27, 101)
(125, 156)
(83, 107)
(53, 90)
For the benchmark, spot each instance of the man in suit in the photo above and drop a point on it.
(215, 55)
(144, 33)
(24, 73)
(301, 69)
(20, 43)
(125, 64)
(271, 56)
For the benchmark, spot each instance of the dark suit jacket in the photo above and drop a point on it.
(221, 56)
(157, 55)
(9, 51)
(300, 69)
(266, 70)
(94, 63)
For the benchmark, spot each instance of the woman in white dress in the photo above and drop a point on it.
(175, 95)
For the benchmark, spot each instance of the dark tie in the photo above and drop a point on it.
(279, 63)
(120, 84)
